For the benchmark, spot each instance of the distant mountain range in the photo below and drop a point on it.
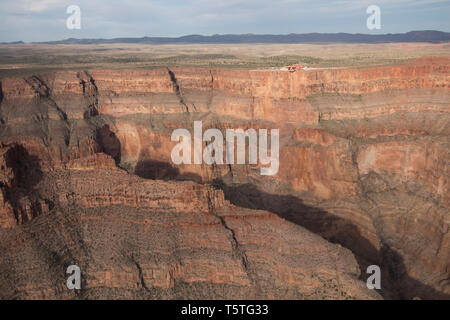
(13, 42)
(430, 36)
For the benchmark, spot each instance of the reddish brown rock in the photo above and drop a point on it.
(136, 238)
(364, 158)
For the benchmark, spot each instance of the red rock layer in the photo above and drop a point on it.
(137, 238)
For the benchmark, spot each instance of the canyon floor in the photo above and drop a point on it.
(87, 178)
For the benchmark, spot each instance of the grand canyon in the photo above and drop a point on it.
(364, 178)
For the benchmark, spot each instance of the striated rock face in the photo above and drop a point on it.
(136, 238)
(364, 162)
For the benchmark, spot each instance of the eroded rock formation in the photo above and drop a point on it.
(137, 238)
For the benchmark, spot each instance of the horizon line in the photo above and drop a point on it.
(175, 38)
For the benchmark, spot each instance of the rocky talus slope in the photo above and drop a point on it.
(87, 179)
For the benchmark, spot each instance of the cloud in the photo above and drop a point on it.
(31, 6)
(43, 5)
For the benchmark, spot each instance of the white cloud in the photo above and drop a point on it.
(43, 5)
(32, 6)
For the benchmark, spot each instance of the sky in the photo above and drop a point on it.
(45, 20)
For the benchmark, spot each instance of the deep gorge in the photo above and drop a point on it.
(364, 178)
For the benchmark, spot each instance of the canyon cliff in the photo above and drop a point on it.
(364, 178)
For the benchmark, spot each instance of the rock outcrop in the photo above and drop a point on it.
(137, 238)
